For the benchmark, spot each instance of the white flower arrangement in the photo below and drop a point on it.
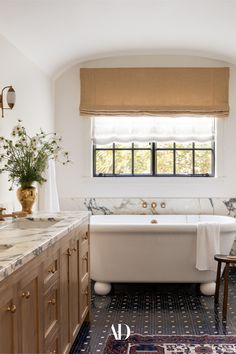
(25, 158)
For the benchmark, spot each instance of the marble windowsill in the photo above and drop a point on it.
(22, 245)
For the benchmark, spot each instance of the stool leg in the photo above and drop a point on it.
(218, 282)
(226, 284)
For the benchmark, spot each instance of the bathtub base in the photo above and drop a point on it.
(208, 288)
(102, 288)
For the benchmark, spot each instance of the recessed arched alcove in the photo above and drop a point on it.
(178, 57)
(76, 132)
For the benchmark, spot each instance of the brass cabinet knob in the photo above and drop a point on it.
(12, 308)
(52, 301)
(52, 270)
(85, 236)
(69, 253)
(163, 205)
(26, 294)
(85, 292)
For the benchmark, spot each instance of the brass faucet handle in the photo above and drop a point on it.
(19, 214)
(163, 205)
(144, 204)
(9, 215)
(153, 205)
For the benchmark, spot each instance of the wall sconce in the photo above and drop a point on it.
(10, 98)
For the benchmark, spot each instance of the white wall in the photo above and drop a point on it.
(34, 101)
(77, 181)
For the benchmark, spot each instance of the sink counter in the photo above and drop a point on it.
(23, 239)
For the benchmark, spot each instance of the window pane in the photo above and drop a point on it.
(143, 145)
(142, 162)
(104, 146)
(123, 162)
(164, 145)
(207, 145)
(184, 162)
(203, 161)
(164, 162)
(104, 161)
(184, 145)
(123, 145)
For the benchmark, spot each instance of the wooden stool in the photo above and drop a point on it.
(227, 260)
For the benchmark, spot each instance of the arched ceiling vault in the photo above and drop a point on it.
(56, 34)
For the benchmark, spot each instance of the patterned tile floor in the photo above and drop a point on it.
(156, 309)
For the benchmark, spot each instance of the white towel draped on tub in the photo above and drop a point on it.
(208, 244)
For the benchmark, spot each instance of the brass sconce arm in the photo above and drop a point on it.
(10, 98)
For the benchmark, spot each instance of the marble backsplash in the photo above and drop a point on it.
(107, 206)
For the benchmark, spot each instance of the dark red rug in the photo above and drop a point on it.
(138, 344)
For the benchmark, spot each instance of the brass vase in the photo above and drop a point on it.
(27, 197)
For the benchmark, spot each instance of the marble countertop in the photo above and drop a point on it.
(20, 243)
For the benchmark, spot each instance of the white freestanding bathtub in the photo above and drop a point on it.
(129, 248)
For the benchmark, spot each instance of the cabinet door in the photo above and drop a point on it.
(70, 292)
(74, 286)
(30, 321)
(84, 273)
(64, 295)
(51, 310)
(8, 323)
(53, 346)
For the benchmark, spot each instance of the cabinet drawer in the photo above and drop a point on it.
(51, 309)
(51, 270)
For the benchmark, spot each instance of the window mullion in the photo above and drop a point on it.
(132, 167)
(113, 157)
(153, 162)
(193, 158)
(174, 151)
(213, 156)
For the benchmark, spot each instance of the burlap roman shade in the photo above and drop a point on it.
(154, 91)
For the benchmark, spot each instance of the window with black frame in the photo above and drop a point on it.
(115, 156)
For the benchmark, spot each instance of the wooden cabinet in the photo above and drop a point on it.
(74, 283)
(43, 305)
(8, 324)
(51, 310)
(84, 270)
(64, 294)
(73, 312)
(29, 318)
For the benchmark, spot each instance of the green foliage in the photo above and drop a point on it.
(123, 162)
(25, 158)
(104, 161)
